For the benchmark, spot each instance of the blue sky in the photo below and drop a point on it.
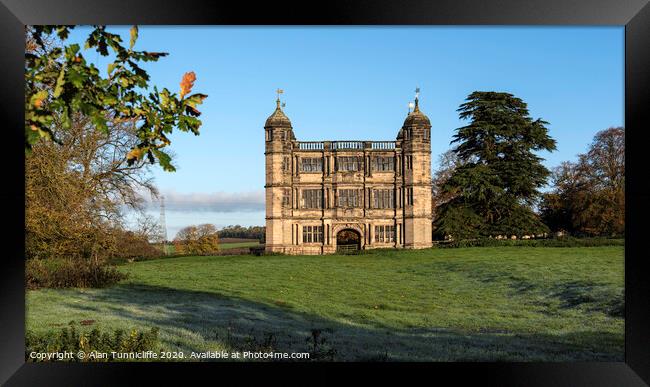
(355, 83)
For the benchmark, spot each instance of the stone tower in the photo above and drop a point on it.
(278, 138)
(415, 136)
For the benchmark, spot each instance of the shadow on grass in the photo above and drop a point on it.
(595, 297)
(200, 321)
(588, 295)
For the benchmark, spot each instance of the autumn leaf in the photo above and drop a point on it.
(134, 154)
(192, 111)
(134, 36)
(60, 81)
(187, 83)
(39, 98)
(195, 99)
(30, 46)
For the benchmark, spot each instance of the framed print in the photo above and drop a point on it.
(452, 188)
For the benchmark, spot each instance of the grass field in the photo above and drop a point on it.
(236, 245)
(471, 304)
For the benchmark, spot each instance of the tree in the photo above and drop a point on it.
(89, 141)
(589, 196)
(197, 240)
(77, 189)
(149, 229)
(448, 163)
(606, 159)
(61, 83)
(252, 232)
(556, 207)
(498, 180)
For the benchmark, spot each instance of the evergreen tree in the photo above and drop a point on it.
(499, 176)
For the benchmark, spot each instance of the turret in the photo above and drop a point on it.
(415, 136)
(279, 137)
(278, 130)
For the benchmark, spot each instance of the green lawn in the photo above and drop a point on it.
(235, 245)
(503, 303)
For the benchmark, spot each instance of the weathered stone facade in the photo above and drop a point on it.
(347, 194)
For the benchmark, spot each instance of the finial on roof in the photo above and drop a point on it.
(278, 118)
(416, 117)
(277, 101)
(417, 96)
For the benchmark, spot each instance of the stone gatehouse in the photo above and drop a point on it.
(327, 195)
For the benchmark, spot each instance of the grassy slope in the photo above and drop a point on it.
(507, 303)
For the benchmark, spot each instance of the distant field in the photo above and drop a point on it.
(466, 304)
(226, 244)
(237, 240)
(235, 245)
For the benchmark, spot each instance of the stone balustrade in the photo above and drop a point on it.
(345, 145)
(311, 145)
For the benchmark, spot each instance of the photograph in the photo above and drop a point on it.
(324, 193)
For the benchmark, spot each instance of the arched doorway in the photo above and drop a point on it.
(348, 241)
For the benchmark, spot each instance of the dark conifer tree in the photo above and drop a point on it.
(500, 175)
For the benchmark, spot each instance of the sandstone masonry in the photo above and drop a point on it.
(327, 195)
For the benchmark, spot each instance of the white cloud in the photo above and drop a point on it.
(216, 201)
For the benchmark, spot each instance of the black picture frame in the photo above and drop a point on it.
(633, 14)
